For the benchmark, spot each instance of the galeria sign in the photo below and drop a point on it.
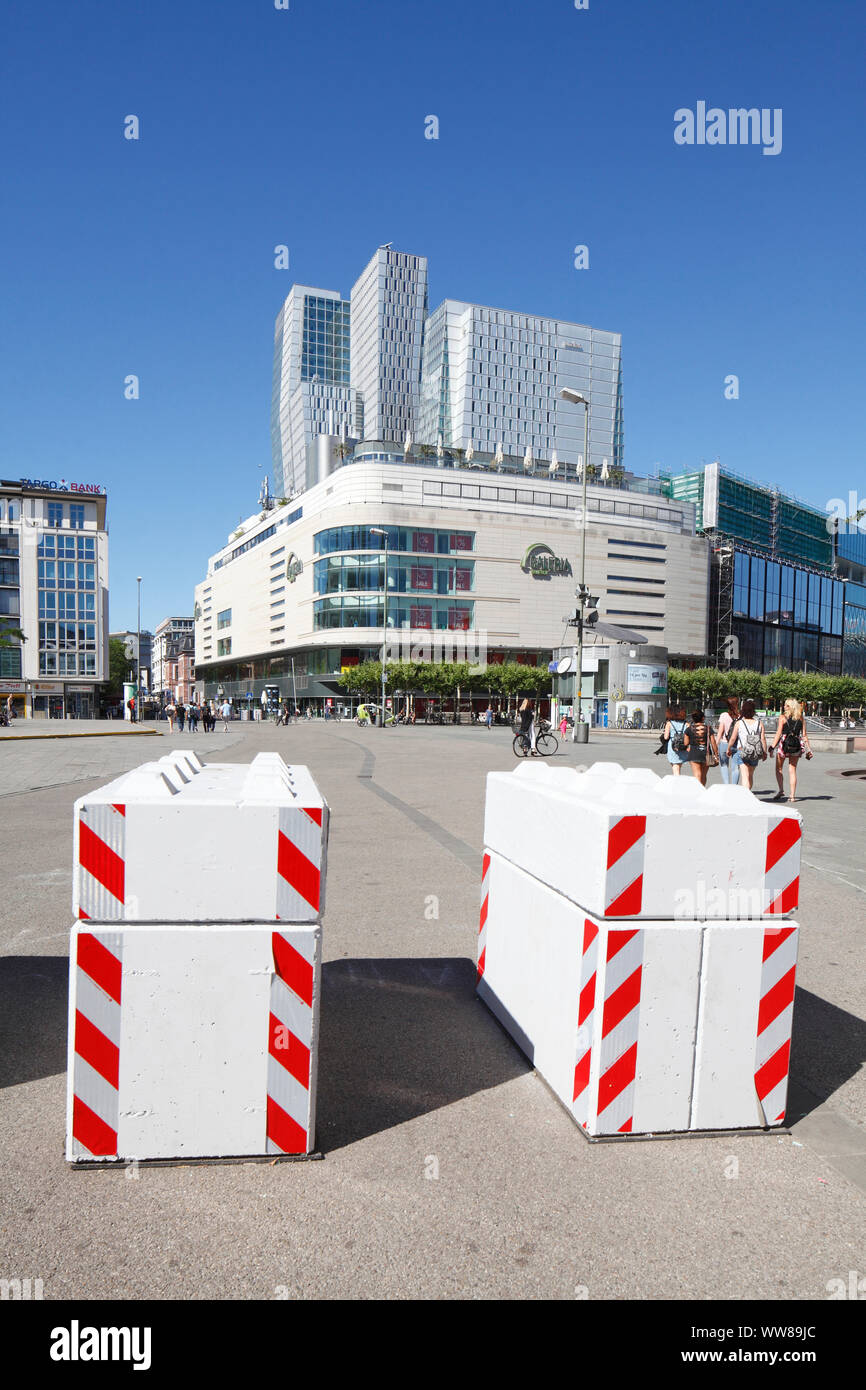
(541, 563)
(294, 567)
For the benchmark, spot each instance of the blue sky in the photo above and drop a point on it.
(306, 127)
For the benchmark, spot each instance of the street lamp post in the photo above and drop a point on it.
(575, 398)
(138, 660)
(378, 531)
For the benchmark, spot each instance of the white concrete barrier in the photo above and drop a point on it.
(192, 1041)
(639, 1028)
(626, 843)
(178, 840)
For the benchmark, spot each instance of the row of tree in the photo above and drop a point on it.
(707, 685)
(702, 686)
(446, 679)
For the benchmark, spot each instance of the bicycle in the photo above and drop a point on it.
(546, 743)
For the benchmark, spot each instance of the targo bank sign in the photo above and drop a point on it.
(95, 489)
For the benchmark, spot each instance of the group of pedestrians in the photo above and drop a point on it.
(737, 745)
(191, 715)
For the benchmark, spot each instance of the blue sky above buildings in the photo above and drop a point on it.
(306, 127)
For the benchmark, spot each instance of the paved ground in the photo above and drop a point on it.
(416, 1078)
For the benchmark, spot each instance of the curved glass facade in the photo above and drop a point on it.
(426, 580)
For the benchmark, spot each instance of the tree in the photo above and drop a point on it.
(10, 636)
(118, 666)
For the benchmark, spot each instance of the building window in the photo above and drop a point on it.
(76, 516)
(55, 514)
(224, 619)
(224, 646)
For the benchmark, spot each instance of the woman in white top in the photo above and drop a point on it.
(748, 735)
(729, 763)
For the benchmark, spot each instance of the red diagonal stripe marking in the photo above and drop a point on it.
(481, 962)
(314, 812)
(289, 1051)
(100, 860)
(772, 1072)
(485, 864)
(623, 835)
(776, 999)
(617, 939)
(626, 1128)
(298, 871)
(587, 1000)
(773, 938)
(285, 1132)
(629, 901)
(97, 961)
(590, 932)
(291, 967)
(787, 899)
(121, 809)
(581, 1073)
(780, 839)
(96, 1136)
(621, 1002)
(482, 916)
(91, 1044)
(616, 1078)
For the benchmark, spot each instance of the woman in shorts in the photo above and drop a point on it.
(792, 742)
(701, 744)
(674, 731)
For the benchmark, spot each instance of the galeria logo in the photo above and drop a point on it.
(737, 126)
(541, 563)
(294, 567)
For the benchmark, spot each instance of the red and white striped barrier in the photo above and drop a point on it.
(651, 1027)
(607, 1014)
(650, 847)
(746, 1016)
(192, 1041)
(482, 915)
(178, 840)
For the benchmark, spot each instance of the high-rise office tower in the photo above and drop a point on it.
(492, 377)
(311, 390)
(389, 306)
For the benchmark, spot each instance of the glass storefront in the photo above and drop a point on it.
(784, 616)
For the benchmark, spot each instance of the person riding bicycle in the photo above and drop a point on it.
(363, 714)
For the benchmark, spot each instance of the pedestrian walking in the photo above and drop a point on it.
(181, 716)
(664, 738)
(171, 715)
(790, 741)
(701, 744)
(488, 717)
(193, 717)
(749, 736)
(226, 714)
(130, 705)
(729, 763)
(675, 733)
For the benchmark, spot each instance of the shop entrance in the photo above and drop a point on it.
(47, 706)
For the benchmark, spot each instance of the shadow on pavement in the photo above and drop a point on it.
(400, 1038)
(828, 1047)
(33, 1005)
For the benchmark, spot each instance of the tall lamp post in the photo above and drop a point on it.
(579, 731)
(138, 660)
(378, 531)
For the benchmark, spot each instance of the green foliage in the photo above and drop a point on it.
(444, 679)
(119, 666)
(707, 685)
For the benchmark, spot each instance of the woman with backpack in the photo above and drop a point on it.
(749, 736)
(675, 733)
(701, 744)
(729, 763)
(790, 741)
